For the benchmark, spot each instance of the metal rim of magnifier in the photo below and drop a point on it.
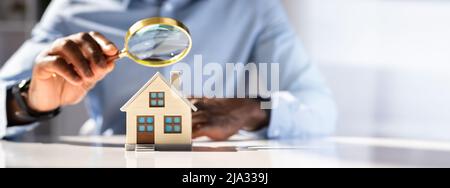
(161, 21)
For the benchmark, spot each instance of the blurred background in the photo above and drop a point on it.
(387, 62)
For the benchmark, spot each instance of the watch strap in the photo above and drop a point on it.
(25, 111)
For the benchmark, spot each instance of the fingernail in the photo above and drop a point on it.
(110, 47)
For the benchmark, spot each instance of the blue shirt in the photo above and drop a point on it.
(228, 31)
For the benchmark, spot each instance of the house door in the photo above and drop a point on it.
(145, 129)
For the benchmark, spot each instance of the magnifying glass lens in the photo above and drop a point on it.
(158, 42)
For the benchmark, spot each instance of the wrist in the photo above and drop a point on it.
(260, 117)
(26, 111)
(30, 102)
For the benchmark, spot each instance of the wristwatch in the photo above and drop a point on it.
(25, 113)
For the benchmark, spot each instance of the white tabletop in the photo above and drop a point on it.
(238, 152)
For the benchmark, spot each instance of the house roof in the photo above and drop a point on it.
(125, 106)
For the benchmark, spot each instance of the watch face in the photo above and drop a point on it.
(24, 84)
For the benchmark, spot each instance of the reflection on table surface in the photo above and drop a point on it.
(238, 152)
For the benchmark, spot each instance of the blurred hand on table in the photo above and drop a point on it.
(220, 118)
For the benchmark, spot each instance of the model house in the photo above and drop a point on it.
(158, 116)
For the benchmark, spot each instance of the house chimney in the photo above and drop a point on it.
(175, 79)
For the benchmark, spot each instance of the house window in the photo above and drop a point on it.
(156, 99)
(145, 124)
(172, 124)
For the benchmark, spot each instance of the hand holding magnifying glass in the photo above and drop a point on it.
(72, 65)
(156, 42)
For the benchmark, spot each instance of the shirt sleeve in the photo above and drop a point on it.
(19, 66)
(303, 106)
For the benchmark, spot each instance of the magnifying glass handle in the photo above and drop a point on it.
(117, 56)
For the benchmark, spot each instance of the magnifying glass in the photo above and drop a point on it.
(156, 42)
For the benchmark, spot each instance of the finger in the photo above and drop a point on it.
(50, 65)
(91, 49)
(73, 55)
(110, 66)
(210, 131)
(199, 103)
(199, 120)
(193, 100)
(200, 113)
(100, 73)
(199, 132)
(107, 46)
(201, 116)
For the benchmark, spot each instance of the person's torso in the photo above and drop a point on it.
(222, 32)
